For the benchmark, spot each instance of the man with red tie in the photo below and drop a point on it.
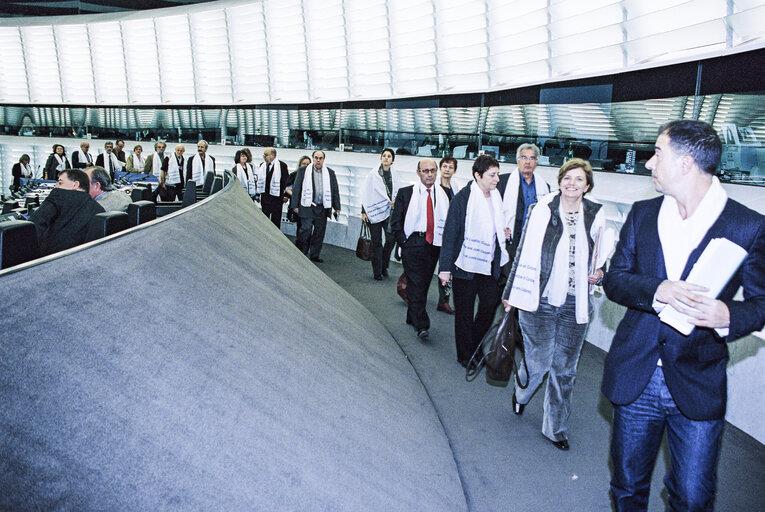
(417, 224)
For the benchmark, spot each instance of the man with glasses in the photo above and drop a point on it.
(314, 195)
(272, 180)
(417, 225)
(529, 189)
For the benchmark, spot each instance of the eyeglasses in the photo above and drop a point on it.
(428, 171)
(527, 158)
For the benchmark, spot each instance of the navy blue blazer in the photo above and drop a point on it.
(694, 365)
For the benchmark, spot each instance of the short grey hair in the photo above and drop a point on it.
(525, 146)
(99, 175)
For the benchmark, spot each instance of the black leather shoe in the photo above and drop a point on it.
(378, 278)
(463, 362)
(517, 408)
(385, 272)
(561, 445)
(422, 333)
(317, 260)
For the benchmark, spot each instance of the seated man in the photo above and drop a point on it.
(62, 220)
(101, 191)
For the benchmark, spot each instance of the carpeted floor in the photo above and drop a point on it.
(503, 460)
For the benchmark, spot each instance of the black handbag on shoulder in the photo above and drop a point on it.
(364, 245)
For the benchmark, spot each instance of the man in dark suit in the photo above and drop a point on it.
(314, 195)
(63, 219)
(417, 225)
(272, 196)
(655, 376)
(109, 161)
(82, 158)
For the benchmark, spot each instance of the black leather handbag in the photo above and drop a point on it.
(502, 339)
(364, 245)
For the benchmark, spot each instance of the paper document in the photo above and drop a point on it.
(712, 270)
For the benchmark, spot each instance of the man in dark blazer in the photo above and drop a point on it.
(63, 219)
(655, 376)
(314, 204)
(272, 204)
(419, 239)
(109, 161)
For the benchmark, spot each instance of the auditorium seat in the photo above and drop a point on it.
(18, 243)
(9, 205)
(190, 193)
(140, 194)
(217, 185)
(207, 186)
(107, 223)
(140, 212)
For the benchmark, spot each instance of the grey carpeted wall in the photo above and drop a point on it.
(202, 363)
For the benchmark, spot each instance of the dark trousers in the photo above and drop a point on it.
(174, 191)
(469, 325)
(419, 259)
(313, 225)
(380, 252)
(272, 208)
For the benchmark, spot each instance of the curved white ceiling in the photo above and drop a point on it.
(308, 51)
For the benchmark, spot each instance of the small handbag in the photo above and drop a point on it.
(401, 287)
(502, 339)
(364, 244)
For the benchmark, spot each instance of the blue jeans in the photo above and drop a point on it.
(553, 341)
(694, 448)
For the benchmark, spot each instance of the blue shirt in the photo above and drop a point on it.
(529, 195)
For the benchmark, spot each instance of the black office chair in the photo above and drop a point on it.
(207, 186)
(140, 194)
(217, 185)
(105, 224)
(18, 243)
(9, 205)
(141, 211)
(190, 193)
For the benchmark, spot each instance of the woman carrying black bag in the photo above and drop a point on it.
(550, 283)
(377, 198)
(472, 255)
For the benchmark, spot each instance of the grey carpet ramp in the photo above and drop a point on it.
(202, 363)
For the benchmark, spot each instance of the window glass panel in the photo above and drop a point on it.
(285, 36)
(42, 64)
(249, 55)
(13, 79)
(212, 67)
(175, 57)
(76, 66)
(108, 62)
(142, 61)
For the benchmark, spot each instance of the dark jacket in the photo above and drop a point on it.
(50, 172)
(62, 220)
(693, 365)
(552, 236)
(454, 236)
(76, 164)
(297, 188)
(282, 181)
